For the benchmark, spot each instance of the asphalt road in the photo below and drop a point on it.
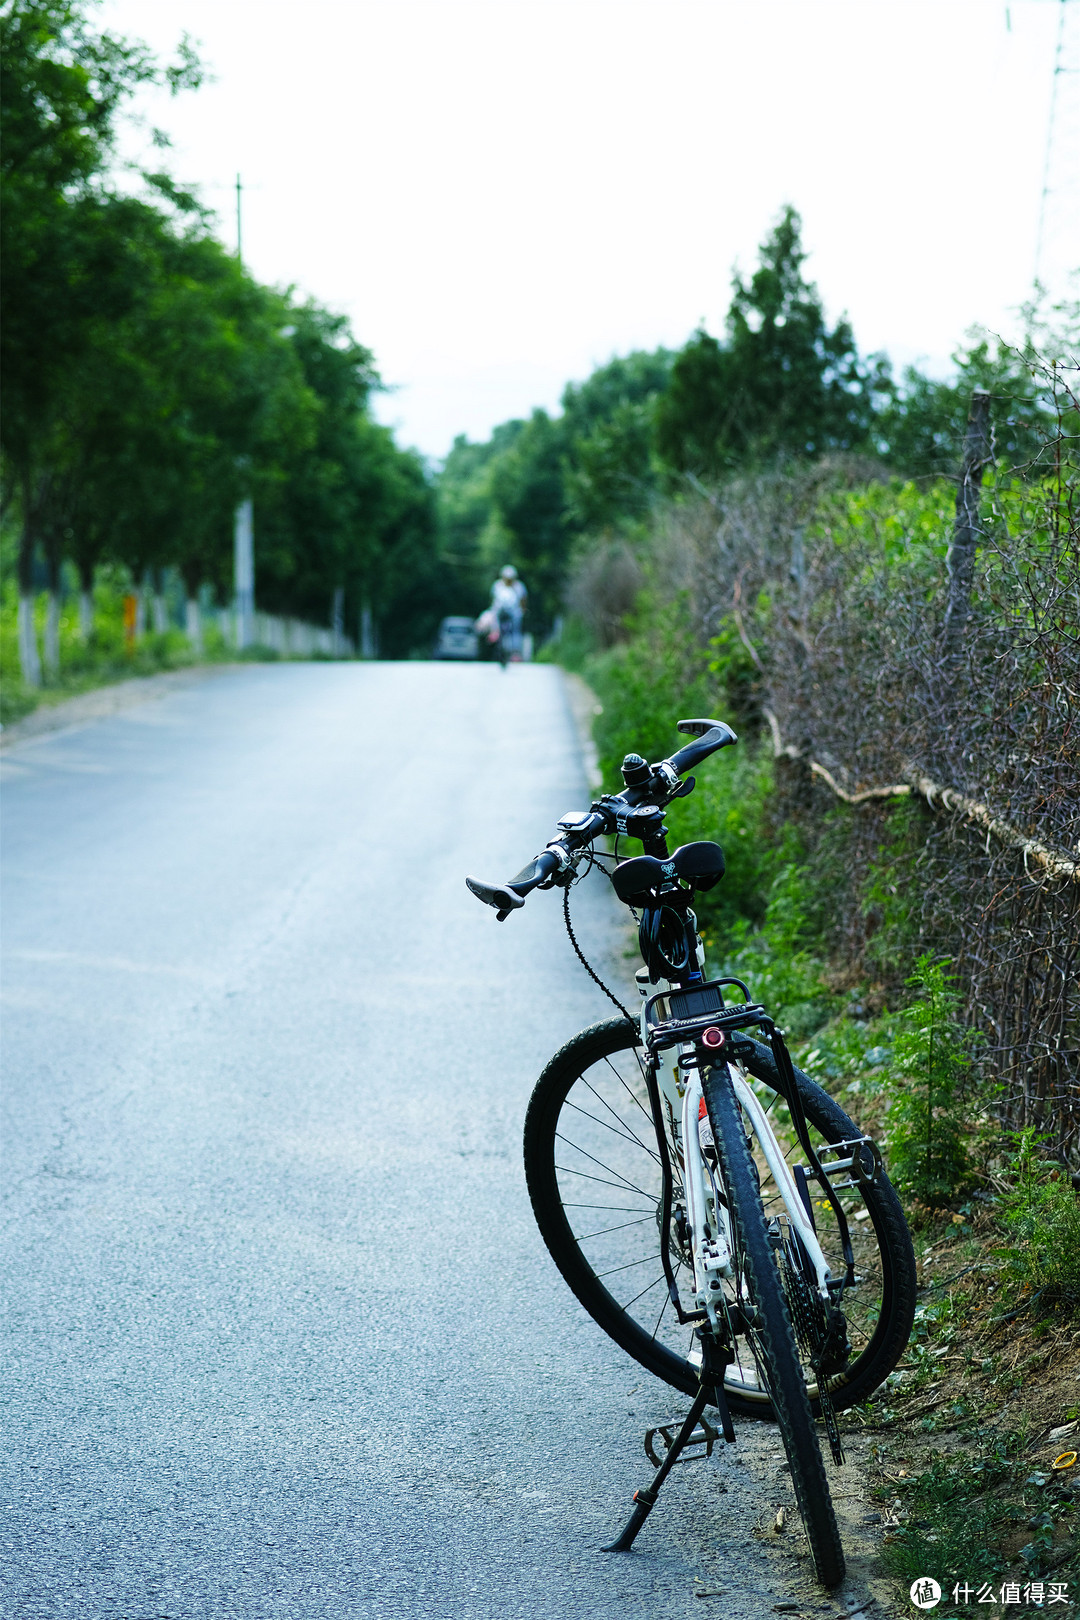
(282, 1339)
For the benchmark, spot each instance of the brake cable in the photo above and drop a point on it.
(595, 977)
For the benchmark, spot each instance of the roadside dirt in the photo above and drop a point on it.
(104, 701)
(974, 1447)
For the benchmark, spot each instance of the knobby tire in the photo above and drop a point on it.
(773, 1336)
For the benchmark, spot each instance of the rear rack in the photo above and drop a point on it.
(673, 1016)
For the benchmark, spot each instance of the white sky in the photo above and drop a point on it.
(503, 193)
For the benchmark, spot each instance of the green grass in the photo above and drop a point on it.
(1040, 1218)
(954, 1521)
(106, 657)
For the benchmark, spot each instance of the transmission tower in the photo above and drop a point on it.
(1057, 244)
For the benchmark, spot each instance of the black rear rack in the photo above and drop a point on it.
(673, 1016)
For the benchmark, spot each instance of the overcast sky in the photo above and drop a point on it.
(503, 193)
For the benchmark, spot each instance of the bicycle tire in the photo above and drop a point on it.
(600, 1266)
(772, 1335)
(506, 630)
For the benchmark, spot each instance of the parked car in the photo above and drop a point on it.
(456, 639)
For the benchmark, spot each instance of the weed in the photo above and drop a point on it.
(953, 1522)
(928, 1157)
(775, 960)
(893, 926)
(1040, 1216)
(851, 1054)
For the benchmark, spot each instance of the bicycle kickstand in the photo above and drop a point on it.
(645, 1500)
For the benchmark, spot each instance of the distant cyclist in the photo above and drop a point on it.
(508, 597)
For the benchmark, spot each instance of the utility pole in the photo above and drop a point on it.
(244, 520)
(368, 633)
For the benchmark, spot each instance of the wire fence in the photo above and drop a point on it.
(920, 681)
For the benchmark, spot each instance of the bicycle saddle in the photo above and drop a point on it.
(637, 880)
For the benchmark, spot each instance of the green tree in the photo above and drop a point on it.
(171, 411)
(349, 510)
(151, 383)
(782, 384)
(529, 500)
(536, 486)
(65, 267)
(921, 428)
(470, 541)
(610, 472)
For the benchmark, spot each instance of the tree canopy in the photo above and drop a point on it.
(782, 385)
(151, 382)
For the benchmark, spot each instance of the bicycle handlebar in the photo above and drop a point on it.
(711, 735)
(508, 897)
(579, 831)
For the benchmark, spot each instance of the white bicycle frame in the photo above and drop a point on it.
(710, 1235)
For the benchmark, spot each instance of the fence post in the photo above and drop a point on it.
(960, 562)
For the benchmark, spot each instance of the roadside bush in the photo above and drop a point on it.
(924, 767)
(647, 684)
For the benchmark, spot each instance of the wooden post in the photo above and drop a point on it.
(960, 562)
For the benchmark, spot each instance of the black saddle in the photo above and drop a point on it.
(638, 881)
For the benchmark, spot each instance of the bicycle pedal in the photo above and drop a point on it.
(659, 1441)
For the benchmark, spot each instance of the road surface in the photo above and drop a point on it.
(282, 1339)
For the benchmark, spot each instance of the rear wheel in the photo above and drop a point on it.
(593, 1171)
(770, 1336)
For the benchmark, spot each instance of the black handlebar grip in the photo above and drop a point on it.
(710, 734)
(534, 873)
(507, 897)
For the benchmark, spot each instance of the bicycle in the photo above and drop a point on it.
(508, 636)
(711, 1207)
